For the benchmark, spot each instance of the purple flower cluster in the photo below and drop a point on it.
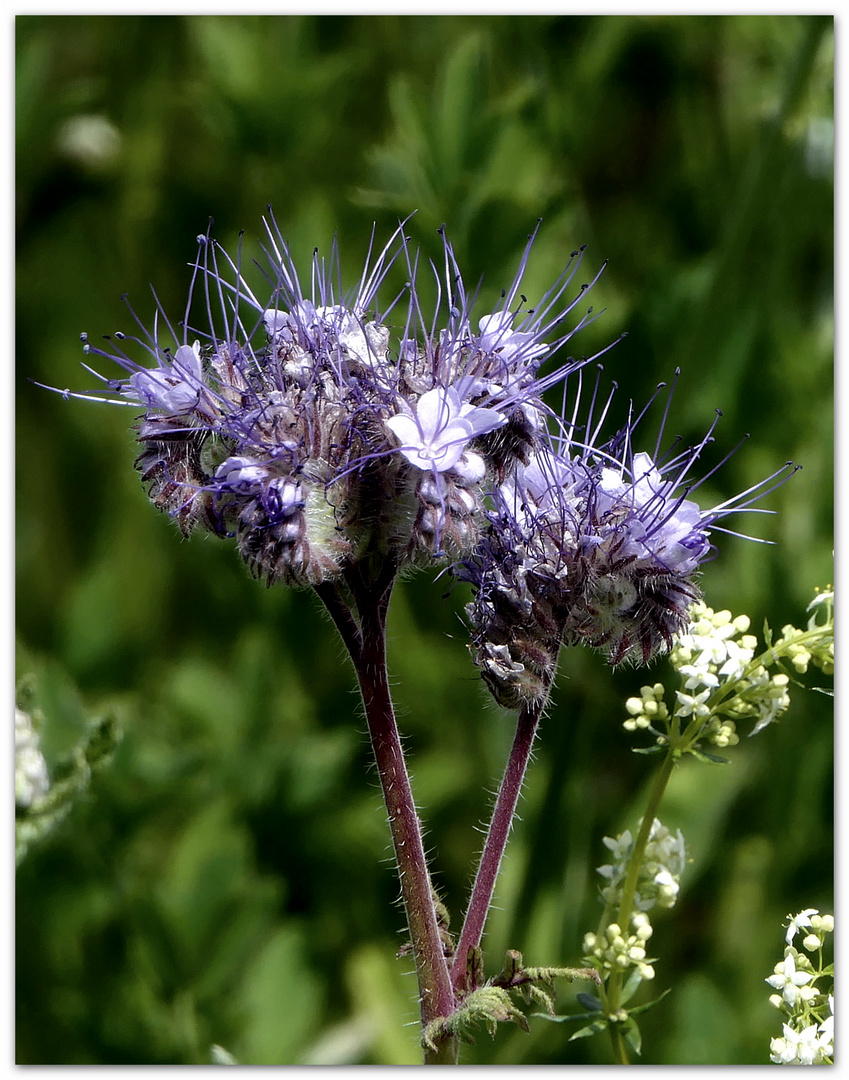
(322, 429)
(590, 542)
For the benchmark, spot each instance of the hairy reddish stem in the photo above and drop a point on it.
(496, 842)
(366, 641)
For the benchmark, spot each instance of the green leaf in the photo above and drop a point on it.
(709, 759)
(595, 1028)
(649, 1004)
(589, 1001)
(632, 984)
(490, 1005)
(632, 1035)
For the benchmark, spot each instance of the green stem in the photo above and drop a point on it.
(629, 889)
(620, 1047)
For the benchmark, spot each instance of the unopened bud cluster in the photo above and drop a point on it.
(808, 1031)
(613, 950)
(660, 869)
(724, 682)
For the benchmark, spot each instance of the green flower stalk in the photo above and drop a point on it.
(723, 680)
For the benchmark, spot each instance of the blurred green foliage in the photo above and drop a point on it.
(226, 880)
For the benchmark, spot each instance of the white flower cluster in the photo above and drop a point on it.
(31, 779)
(724, 681)
(815, 645)
(611, 950)
(660, 871)
(718, 650)
(808, 1034)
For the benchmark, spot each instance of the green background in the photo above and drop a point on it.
(227, 879)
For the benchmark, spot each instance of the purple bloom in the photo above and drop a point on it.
(316, 431)
(499, 365)
(172, 388)
(593, 544)
(435, 435)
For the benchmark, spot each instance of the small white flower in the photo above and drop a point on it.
(826, 1030)
(698, 675)
(787, 979)
(797, 1047)
(797, 922)
(497, 335)
(693, 703)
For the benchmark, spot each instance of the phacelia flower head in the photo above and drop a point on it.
(320, 427)
(590, 542)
